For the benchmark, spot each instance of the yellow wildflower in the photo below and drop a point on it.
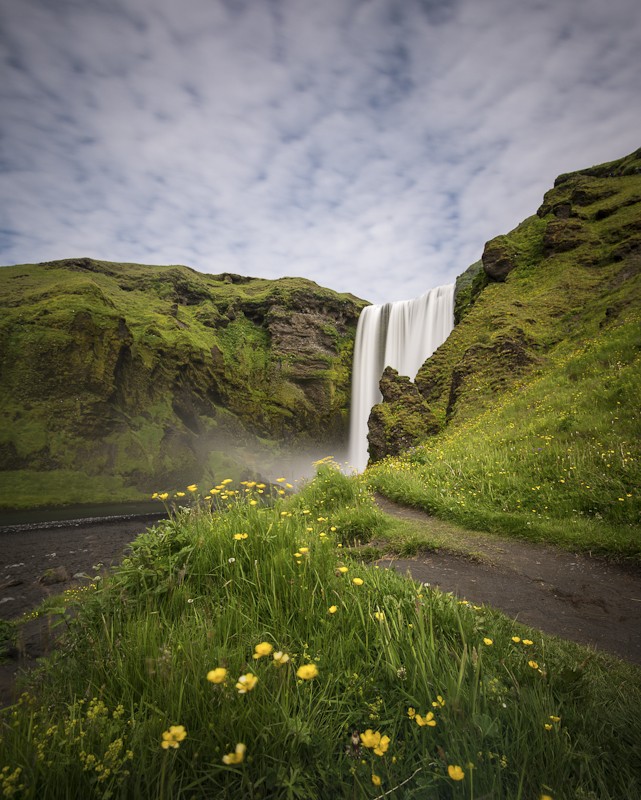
(192, 488)
(307, 672)
(253, 502)
(173, 736)
(488, 641)
(358, 581)
(280, 658)
(516, 639)
(237, 756)
(455, 773)
(533, 664)
(263, 649)
(246, 683)
(376, 780)
(379, 615)
(163, 496)
(333, 609)
(342, 569)
(226, 481)
(411, 712)
(304, 549)
(217, 675)
(376, 741)
(439, 702)
(527, 641)
(239, 536)
(428, 720)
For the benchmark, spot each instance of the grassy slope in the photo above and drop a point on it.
(118, 379)
(449, 685)
(543, 435)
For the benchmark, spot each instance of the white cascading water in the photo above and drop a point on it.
(401, 335)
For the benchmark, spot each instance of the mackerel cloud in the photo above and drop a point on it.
(370, 145)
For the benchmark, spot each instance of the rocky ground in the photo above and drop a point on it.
(561, 593)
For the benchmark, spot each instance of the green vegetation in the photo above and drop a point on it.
(116, 377)
(537, 388)
(556, 459)
(366, 682)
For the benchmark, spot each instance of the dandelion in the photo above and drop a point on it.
(246, 683)
(439, 702)
(455, 773)
(217, 675)
(533, 664)
(488, 641)
(262, 649)
(280, 658)
(307, 672)
(192, 488)
(237, 756)
(428, 720)
(358, 581)
(376, 780)
(173, 736)
(333, 609)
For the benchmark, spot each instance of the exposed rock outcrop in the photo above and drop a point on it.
(401, 420)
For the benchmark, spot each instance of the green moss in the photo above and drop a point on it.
(140, 371)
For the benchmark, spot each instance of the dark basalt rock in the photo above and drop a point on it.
(498, 259)
(401, 420)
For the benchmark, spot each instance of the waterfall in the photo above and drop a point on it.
(400, 335)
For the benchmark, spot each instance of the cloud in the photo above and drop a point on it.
(370, 145)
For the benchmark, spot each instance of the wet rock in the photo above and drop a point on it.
(53, 576)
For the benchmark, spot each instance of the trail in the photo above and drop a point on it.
(557, 591)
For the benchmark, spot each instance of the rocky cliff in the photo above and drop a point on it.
(154, 376)
(564, 273)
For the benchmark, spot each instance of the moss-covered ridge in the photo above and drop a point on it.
(151, 376)
(566, 274)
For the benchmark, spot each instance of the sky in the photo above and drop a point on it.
(372, 146)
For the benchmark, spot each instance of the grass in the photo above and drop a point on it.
(555, 459)
(388, 686)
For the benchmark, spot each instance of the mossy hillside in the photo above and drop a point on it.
(537, 387)
(571, 279)
(158, 375)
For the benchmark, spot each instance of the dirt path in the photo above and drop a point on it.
(561, 593)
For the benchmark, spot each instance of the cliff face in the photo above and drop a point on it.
(562, 274)
(157, 375)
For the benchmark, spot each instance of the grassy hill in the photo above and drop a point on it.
(117, 380)
(537, 388)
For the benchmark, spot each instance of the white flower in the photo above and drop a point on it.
(231, 560)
